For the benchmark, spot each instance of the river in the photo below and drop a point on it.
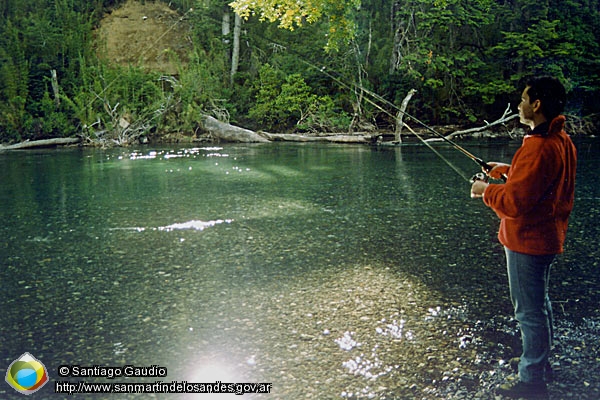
(326, 271)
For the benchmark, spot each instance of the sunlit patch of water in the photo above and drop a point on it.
(193, 152)
(195, 225)
(212, 372)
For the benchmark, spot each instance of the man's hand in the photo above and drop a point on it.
(478, 188)
(498, 170)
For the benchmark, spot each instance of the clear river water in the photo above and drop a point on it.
(321, 271)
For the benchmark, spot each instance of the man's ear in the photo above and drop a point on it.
(537, 106)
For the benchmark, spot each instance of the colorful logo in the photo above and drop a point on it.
(26, 374)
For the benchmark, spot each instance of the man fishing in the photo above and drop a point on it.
(533, 206)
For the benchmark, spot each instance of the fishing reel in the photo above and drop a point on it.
(480, 176)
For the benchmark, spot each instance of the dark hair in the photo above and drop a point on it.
(550, 92)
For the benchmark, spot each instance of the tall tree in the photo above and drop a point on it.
(235, 50)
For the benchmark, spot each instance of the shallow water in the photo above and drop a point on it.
(329, 271)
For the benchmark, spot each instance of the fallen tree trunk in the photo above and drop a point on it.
(231, 133)
(41, 143)
(330, 138)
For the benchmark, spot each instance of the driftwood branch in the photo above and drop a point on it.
(41, 143)
(400, 115)
(330, 138)
(507, 116)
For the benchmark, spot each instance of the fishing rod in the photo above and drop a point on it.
(485, 166)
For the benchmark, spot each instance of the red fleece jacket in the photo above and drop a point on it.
(535, 202)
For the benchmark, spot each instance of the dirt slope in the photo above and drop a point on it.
(146, 34)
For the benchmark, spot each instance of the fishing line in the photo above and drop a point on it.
(477, 160)
(381, 99)
(459, 172)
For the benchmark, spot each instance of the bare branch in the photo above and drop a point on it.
(507, 116)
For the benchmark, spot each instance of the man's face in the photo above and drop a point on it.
(526, 108)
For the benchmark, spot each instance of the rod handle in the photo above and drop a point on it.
(487, 168)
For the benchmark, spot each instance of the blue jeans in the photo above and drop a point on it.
(528, 277)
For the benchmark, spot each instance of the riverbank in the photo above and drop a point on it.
(214, 131)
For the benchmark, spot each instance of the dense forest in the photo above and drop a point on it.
(339, 67)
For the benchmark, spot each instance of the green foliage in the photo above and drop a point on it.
(54, 121)
(442, 56)
(287, 103)
(200, 90)
(323, 115)
(465, 58)
(36, 37)
(14, 83)
(267, 90)
(291, 14)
